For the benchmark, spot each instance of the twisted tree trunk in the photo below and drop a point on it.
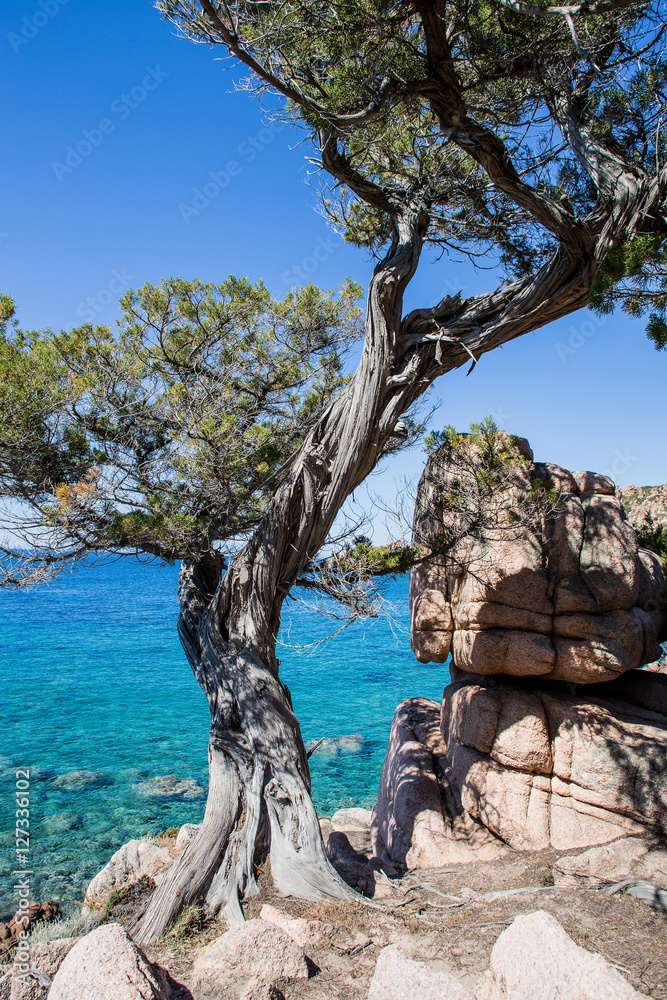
(259, 784)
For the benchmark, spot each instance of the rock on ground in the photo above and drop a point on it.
(603, 866)
(599, 866)
(306, 933)
(186, 833)
(534, 959)
(257, 950)
(577, 601)
(398, 977)
(44, 957)
(347, 820)
(128, 864)
(107, 965)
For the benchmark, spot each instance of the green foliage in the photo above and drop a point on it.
(118, 895)
(403, 100)
(496, 455)
(484, 483)
(377, 560)
(654, 537)
(168, 436)
(189, 923)
(634, 275)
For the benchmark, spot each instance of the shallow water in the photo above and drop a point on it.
(93, 679)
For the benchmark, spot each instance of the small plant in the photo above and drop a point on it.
(547, 878)
(116, 896)
(71, 923)
(191, 921)
(163, 838)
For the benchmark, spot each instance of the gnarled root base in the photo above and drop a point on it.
(248, 811)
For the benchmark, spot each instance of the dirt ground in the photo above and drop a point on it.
(454, 935)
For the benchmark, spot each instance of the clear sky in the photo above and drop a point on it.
(128, 157)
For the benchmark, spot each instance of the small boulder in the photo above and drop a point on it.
(255, 947)
(534, 959)
(398, 977)
(132, 861)
(306, 933)
(599, 866)
(351, 819)
(187, 833)
(107, 965)
(45, 958)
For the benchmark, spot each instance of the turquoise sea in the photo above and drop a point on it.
(93, 679)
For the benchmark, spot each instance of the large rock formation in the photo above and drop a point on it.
(416, 822)
(541, 767)
(516, 754)
(500, 763)
(572, 598)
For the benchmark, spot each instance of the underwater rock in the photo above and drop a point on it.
(332, 747)
(168, 787)
(74, 781)
(62, 822)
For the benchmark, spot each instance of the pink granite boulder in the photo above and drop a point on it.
(107, 965)
(412, 825)
(570, 597)
(543, 767)
(534, 959)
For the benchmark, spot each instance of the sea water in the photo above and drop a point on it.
(97, 699)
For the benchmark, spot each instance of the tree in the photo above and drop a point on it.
(524, 134)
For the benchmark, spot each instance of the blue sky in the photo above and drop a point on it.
(112, 124)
